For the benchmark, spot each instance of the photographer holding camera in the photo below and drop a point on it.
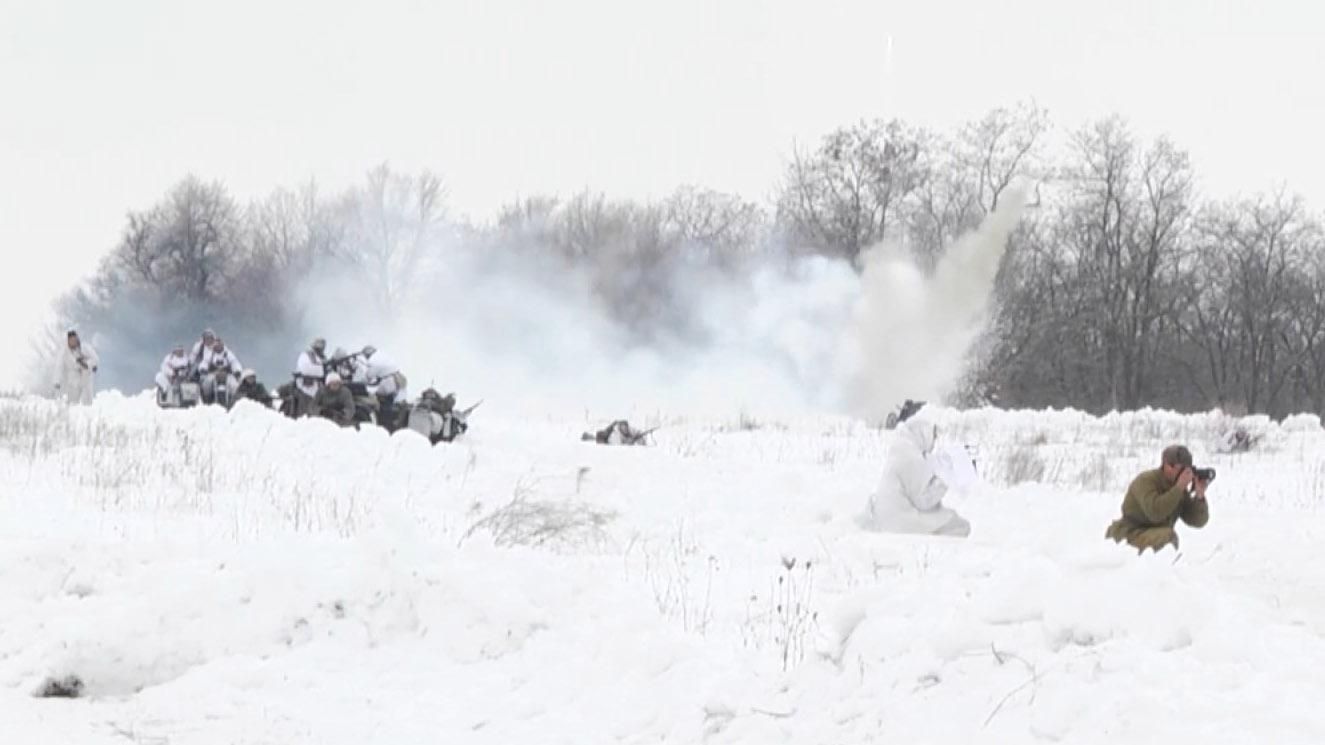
(1157, 499)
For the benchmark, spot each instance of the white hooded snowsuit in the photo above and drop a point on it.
(381, 371)
(310, 366)
(201, 348)
(212, 361)
(910, 494)
(172, 367)
(74, 370)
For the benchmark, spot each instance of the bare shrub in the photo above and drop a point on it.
(573, 526)
(1098, 474)
(670, 571)
(1022, 465)
(789, 617)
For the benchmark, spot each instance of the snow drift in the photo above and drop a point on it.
(221, 577)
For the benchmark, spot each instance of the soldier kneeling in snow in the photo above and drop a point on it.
(1157, 499)
(335, 402)
(250, 388)
(617, 433)
(910, 494)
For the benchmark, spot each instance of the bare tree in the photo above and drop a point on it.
(1002, 147)
(590, 225)
(296, 229)
(1041, 351)
(530, 216)
(393, 221)
(1305, 336)
(1125, 225)
(199, 239)
(189, 244)
(1254, 331)
(722, 228)
(852, 191)
(1091, 290)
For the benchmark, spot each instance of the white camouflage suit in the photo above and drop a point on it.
(310, 368)
(172, 367)
(74, 372)
(381, 371)
(910, 494)
(212, 361)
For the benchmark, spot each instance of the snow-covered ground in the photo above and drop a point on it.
(218, 577)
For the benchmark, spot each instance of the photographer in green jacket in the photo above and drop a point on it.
(1157, 499)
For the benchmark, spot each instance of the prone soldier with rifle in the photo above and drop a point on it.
(619, 433)
(435, 416)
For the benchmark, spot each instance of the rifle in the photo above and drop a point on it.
(330, 365)
(639, 436)
(465, 414)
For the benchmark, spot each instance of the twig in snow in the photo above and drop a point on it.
(1034, 680)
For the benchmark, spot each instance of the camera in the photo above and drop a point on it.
(1204, 474)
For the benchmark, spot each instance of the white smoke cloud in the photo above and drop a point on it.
(910, 333)
(525, 332)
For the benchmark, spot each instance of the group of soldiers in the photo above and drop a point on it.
(214, 369)
(350, 389)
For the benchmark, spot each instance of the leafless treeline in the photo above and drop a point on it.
(1123, 288)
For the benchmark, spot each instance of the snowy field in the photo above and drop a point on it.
(218, 577)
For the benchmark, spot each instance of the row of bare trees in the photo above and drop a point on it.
(1129, 290)
(1122, 288)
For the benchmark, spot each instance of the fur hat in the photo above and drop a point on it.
(333, 378)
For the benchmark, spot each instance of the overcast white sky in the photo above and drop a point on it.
(103, 105)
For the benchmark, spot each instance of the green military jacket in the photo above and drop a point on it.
(337, 405)
(1151, 502)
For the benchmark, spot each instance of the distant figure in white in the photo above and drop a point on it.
(910, 494)
(75, 367)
